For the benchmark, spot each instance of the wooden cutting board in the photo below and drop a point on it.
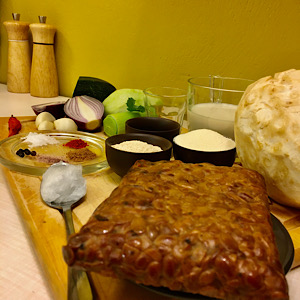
(46, 229)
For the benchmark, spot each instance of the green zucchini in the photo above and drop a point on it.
(93, 87)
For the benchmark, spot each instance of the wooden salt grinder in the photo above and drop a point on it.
(18, 61)
(44, 81)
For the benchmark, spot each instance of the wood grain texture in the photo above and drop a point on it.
(44, 78)
(19, 58)
(46, 229)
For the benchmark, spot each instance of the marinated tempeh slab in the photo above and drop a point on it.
(196, 228)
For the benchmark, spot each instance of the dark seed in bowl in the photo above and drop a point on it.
(20, 153)
(27, 151)
(23, 152)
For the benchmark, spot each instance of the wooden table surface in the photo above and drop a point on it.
(22, 264)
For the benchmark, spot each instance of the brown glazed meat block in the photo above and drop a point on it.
(196, 228)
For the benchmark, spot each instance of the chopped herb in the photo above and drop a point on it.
(132, 107)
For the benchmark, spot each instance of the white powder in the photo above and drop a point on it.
(137, 147)
(204, 140)
(34, 139)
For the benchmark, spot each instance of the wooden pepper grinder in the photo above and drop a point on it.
(44, 81)
(18, 62)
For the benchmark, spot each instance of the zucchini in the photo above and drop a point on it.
(93, 87)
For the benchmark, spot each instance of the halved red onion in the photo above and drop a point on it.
(87, 112)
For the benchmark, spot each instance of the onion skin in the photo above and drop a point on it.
(87, 112)
(54, 108)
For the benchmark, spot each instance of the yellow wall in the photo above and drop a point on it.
(141, 43)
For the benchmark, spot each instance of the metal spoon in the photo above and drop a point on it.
(78, 282)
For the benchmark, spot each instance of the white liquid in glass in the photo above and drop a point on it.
(215, 116)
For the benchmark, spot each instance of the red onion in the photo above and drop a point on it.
(54, 108)
(87, 112)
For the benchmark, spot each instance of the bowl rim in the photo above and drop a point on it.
(202, 151)
(127, 123)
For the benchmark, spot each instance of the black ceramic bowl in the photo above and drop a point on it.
(153, 125)
(120, 161)
(217, 158)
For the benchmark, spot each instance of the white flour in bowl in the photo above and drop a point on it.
(204, 140)
(137, 147)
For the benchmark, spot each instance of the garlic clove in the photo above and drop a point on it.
(65, 124)
(46, 125)
(44, 116)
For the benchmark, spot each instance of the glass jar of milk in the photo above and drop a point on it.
(212, 102)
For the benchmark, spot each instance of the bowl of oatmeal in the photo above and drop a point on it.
(123, 150)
